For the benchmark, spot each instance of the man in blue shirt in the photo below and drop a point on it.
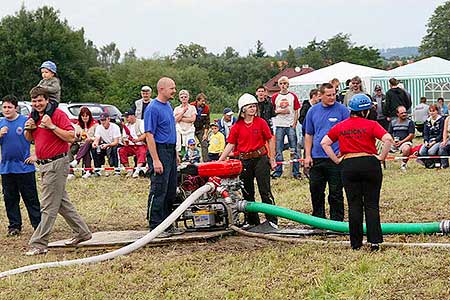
(159, 126)
(17, 169)
(319, 120)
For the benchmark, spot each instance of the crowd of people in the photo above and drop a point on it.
(333, 131)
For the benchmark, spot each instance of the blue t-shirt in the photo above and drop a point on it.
(319, 120)
(15, 147)
(159, 121)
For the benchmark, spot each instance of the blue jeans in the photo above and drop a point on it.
(163, 187)
(280, 133)
(432, 151)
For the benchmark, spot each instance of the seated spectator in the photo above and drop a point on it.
(133, 138)
(84, 136)
(192, 154)
(106, 143)
(402, 129)
(432, 136)
(420, 114)
(226, 122)
(216, 143)
(444, 148)
(443, 108)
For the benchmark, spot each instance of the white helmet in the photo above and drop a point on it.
(246, 99)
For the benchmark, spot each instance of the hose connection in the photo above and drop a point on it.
(240, 205)
(445, 226)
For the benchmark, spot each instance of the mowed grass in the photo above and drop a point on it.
(238, 267)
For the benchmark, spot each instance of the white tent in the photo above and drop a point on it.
(342, 71)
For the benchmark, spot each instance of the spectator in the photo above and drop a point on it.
(444, 148)
(340, 97)
(133, 144)
(402, 129)
(201, 123)
(17, 169)
(314, 98)
(380, 98)
(192, 154)
(106, 143)
(355, 88)
(185, 115)
(395, 97)
(361, 170)
(286, 106)
(140, 105)
(265, 106)
(226, 122)
(421, 114)
(432, 136)
(84, 136)
(335, 83)
(322, 170)
(216, 143)
(443, 108)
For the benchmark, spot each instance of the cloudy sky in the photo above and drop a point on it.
(156, 27)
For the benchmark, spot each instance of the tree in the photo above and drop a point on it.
(130, 55)
(229, 53)
(30, 37)
(291, 57)
(260, 51)
(437, 40)
(108, 55)
(192, 51)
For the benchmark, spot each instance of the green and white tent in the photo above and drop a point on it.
(429, 77)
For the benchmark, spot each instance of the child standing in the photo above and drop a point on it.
(51, 82)
(216, 143)
(192, 153)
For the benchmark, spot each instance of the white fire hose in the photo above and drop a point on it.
(125, 250)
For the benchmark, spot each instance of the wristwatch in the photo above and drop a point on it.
(53, 127)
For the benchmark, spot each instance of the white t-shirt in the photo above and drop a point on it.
(185, 127)
(287, 101)
(107, 135)
(421, 112)
(132, 127)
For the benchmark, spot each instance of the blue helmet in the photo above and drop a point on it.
(49, 65)
(360, 102)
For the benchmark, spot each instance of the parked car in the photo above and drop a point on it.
(72, 110)
(24, 108)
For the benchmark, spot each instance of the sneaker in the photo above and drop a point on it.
(176, 230)
(76, 240)
(403, 167)
(117, 173)
(164, 235)
(73, 163)
(136, 173)
(374, 247)
(86, 175)
(107, 174)
(273, 225)
(13, 232)
(36, 251)
(70, 177)
(298, 177)
(129, 173)
(97, 174)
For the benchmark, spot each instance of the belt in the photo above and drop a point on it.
(253, 154)
(49, 160)
(358, 154)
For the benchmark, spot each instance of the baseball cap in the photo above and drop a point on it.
(104, 116)
(191, 142)
(128, 113)
(377, 87)
(214, 124)
(228, 111)
(146, 88)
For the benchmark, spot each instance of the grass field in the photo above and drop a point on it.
(239, 267)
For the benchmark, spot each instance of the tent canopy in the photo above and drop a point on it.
(428, 67)
(341, 71)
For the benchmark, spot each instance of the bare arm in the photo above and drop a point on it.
(326, 145)
(387, 143)
(308, 147)
(226, 151)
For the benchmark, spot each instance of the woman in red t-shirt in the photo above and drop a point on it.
(361, 169)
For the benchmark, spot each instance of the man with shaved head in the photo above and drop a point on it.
(159, 126)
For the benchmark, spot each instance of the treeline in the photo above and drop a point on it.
(91, 74)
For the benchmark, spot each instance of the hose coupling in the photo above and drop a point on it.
(240, 205)
(445, 226)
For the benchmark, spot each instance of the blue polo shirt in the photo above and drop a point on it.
(15, 148)
(159, 121)
(319, 121)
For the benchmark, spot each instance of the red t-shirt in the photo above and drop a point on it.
(357, 135)
(249, 137)
(47, 143)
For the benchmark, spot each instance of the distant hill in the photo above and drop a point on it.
(399, 52)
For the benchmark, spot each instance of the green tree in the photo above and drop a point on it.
(291, 57)
(30, 37)
(229, 53)
(437, 40)
(130, 55)
(191, 51)
(260, 51)
(108, 55)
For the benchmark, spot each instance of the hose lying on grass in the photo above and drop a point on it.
(122, 251)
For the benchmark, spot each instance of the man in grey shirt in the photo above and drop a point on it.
(420, 114)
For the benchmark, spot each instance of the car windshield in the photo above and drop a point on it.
(112, 110)
(95, 110)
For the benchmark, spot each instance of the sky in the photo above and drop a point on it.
(157, 27)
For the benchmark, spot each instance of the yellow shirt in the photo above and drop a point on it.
(216, 143)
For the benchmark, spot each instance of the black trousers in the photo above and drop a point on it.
(362, 178)
(258, 168)
(324, 171)
(15, 185)
(99, 158)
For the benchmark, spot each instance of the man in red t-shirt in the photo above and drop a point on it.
(51, 137)
(249, 136)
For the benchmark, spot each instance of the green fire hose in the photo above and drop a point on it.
(387, 228)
